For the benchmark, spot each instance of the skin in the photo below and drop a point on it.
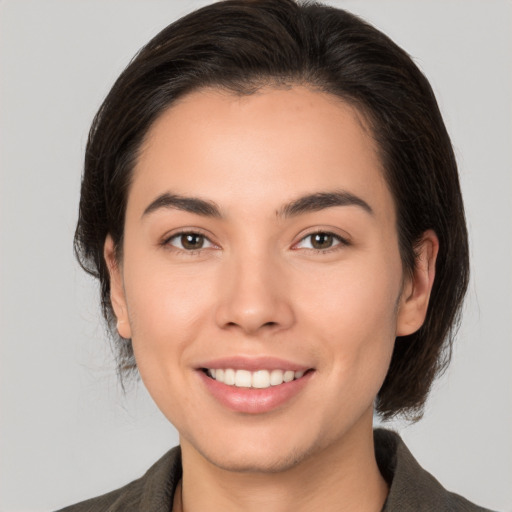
(258, 287)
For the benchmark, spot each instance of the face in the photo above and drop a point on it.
(261, 281)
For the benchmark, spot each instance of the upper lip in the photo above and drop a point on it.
(252, 363)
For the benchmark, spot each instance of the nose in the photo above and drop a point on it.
(253, 296)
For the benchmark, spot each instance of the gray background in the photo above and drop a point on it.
(67, 431)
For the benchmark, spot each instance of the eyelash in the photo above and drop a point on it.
(166, 242)
(342, 242)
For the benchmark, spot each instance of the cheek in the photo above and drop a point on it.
(352, 309)
(166, 306)
(362, 294)
(167, 315)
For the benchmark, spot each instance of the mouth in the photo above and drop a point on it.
(259, 379)
(254, 385)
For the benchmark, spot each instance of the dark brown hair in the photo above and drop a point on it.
(241, 46)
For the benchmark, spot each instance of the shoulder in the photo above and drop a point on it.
(154, 491)
(411, 487)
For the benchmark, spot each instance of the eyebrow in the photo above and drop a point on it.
(321, 200)
(195, 205)
(305, 204)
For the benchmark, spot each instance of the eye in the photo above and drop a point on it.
(321, 241)
(189, 241)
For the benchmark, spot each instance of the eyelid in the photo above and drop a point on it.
(165, 242)
(343, 241)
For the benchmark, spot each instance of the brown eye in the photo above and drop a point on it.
(192, 241)
(189, 241)
(322, 240)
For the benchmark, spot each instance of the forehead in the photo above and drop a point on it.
(259, 149)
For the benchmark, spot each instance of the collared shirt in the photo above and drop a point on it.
(411, 488)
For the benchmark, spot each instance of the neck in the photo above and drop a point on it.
(341, 477)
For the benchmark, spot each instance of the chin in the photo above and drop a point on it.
(258, 454)
(256, 461)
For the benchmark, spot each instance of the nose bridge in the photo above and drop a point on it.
(252, 291)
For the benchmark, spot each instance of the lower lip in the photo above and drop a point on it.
(251, 400)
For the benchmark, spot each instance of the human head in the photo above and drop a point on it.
(241, 46)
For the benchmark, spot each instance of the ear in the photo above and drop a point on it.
(415, 296)
(117, 296)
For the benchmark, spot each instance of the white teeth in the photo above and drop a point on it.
(260, 379)
(242, 379)
(288, 376)
(229, 377)
(276, 377)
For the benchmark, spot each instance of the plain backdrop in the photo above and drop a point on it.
(67, 430)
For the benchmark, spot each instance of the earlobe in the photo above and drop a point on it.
(117, 296)
(415, 295)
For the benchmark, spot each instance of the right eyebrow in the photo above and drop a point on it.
(322, 200)
(195, 205)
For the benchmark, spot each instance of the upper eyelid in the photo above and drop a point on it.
(342, 240)
(197, 231)
(165, 243)
(187, 231)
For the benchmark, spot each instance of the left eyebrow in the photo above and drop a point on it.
(320, 201)
(188, 204)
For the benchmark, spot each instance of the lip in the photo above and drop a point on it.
(251, 400)
(252, 364)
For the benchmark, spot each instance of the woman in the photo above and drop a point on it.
(271, 203)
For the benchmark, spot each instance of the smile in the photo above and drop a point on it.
(254, 385)
(259, 379)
